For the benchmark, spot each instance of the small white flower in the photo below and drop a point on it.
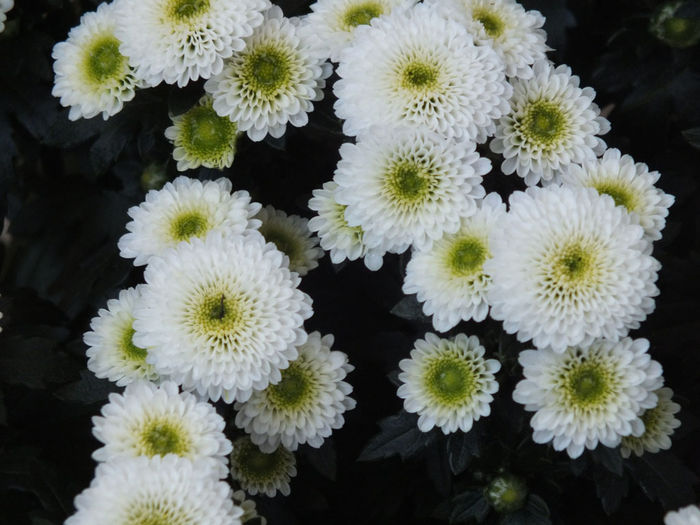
(689, 515)
(448, 383)
(449, 277)
(111, 351)
(569, 267)
(336, 235)
(182, 210)
(5, 6)
(250, 512)
(258, 472)
(272, 81)
(630, 185)
(334, 21)
(202, 138)
(588, 395)
(515, 34)
(291, 235)
(552, 123)
(659, 425)
(222, 315)
(305, 405)
(147, 420)
(183, 40)
(92, 76)
(169, 489)
(413, 67)
(408, 186)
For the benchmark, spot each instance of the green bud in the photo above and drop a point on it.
(506, 493)
(675, 31)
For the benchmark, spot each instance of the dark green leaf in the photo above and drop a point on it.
(109, 145)
(461, 448)
(439, 468)
(34, 362)
(470, 504)
(609, 458)
(410, 309)
(323, 459)
(664, 478)
(399, 435)
(88, 389)
(692, 136)
(611, 491)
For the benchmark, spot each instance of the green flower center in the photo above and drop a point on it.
(129, 350)
(467, 256)
(355, 232)
(157, 512)
(257, 465)
(205, 134)
(588, 384)
(493, 25)
(284, 241)
(450, 380)
(652, 418)
(362, 14)
(189, 224)
(294, 391)
(267, 70)
(419, 76)
(219, 314)
(185, 10)
(103, 60)
(409, 181)
(574, 264)
(160, 437)
(544, 124)
(619, 192)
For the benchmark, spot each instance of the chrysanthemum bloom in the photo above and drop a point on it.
(183, 40)
(92, 76)
(250, 512)
(689, 515)
(291, 235)
(222, 315)
(630, 185)
(408, 186)
(202, 138)
(334, 21)
(448, 383)
(305, 405)
(337, 236)
(147, 420)
(274, 80)
(552, 124)
(258, 472)
(111, 351)
(659, 425)
(170, 489)
(588, 395)
(515, 34)
(414, 67)
(449, 278)
(183, 210)
(569, 267)
(5, 6)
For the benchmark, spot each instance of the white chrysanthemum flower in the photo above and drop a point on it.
(260, 473)
(92, 76)
(448, 383)
(250, 511)
(222, 315)
(202, 138)
(515, 34)
(449, 278)
(414, 67)
(588, 395)
(337, 236)
(552, 123)
(305, 405)
(291, 235)
(170, 489)
(659, 425)
(630, 185)
(183, 40)
(569, 267)
(274, 80)
(689, 515)
(408, 186)
(5, 6)
(112, 353)
(147, 420)
(334, 21)
(182, 210)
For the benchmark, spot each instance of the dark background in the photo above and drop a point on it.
(65, 188)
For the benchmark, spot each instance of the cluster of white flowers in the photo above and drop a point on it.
(219, 317)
